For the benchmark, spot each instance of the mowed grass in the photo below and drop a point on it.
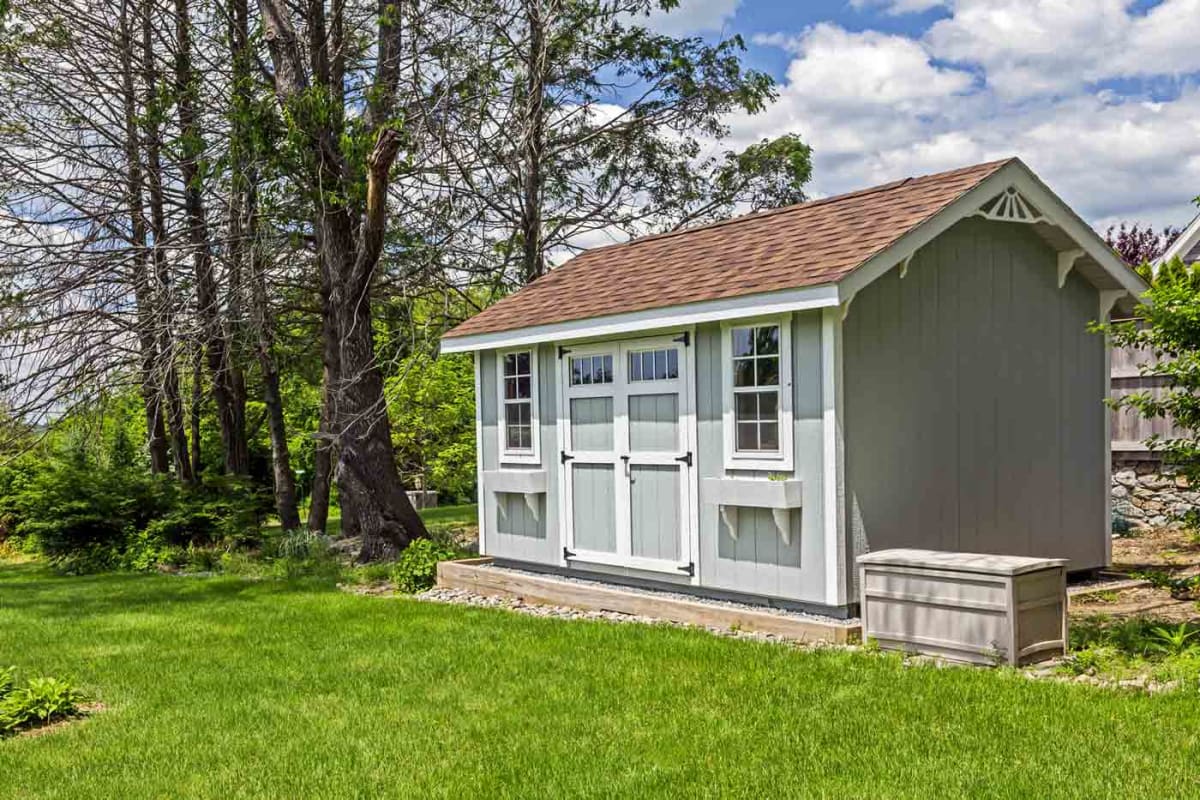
(228, 688)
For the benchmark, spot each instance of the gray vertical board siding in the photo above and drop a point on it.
(654, 512)
(591, 423)
(973, 402)
(653, 422)
(594, 509)
(758, 561)
(515, 532)
(514, 517)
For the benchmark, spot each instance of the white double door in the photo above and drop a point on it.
(626, 454)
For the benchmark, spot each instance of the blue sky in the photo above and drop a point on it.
(1100, 97)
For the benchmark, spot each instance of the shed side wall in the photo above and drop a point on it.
(973, 403)
(512, 531)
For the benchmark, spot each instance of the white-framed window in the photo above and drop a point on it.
(518, 389)
(757, 376)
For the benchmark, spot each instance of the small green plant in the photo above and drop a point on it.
(39, 701)
(1175, 641)
(416, 569)
(1088, 661)
(8, 679)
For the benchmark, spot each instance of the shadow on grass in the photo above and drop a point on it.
(37, 589)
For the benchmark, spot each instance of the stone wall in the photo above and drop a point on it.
(1147, 495)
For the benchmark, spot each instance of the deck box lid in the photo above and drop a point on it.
(960, 562)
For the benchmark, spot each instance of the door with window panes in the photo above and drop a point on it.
(626, 454)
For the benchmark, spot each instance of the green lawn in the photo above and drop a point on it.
(228, 688)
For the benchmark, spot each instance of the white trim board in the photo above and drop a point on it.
(650, 320)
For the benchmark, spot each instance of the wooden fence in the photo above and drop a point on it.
(1130, 431)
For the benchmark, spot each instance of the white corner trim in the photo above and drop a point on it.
(833, 460)
(480, 492)
(651, 320)
(1066, 260)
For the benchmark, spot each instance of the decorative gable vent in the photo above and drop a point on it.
(1011, 206)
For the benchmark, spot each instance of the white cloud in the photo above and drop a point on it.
(1035, 47)
(693, 17)
(878, 107)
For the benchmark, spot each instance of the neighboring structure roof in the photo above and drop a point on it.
(1187, 246)
(809, 244)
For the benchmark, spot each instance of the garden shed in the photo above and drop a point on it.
(741, 409)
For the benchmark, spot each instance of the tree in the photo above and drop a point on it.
(573, 120)
(1137, 245)
(348, 160)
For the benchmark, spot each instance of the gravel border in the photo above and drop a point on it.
(848, 622)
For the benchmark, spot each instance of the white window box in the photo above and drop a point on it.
(729, 494)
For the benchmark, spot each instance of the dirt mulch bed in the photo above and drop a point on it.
(1176, 552)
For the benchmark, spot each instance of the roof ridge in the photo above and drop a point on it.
(807, 204)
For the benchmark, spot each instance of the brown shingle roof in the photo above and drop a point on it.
(808, 244)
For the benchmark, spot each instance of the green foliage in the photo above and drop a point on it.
(38, 701)
(1181, 588)
(416, 569)
(431, 402)
(1173, 641)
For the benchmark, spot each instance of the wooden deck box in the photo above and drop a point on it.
(984, 609)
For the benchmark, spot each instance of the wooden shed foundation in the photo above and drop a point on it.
(478, 575)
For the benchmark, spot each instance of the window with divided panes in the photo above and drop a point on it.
(518, 402)
(756, 372)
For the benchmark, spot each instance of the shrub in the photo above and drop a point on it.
(40, 700)
(416, 569)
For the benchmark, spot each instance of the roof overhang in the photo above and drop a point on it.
(654, 319)
(1079, 247)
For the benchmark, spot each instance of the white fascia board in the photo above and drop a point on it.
(808, 297)
(1184, 244)
(1013, 174)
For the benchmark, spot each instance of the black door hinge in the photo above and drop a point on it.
(685, 337)
(562, 351)
(686, 458)
(567, 554)
(565, 458)
(690, 569)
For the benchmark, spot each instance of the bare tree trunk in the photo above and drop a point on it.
(151, 399)
(533, 143)
(318, 507)
(163, 292)
(197, 408)
(216, 349)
